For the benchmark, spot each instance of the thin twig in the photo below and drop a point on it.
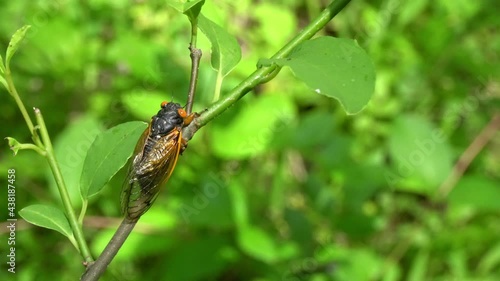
(468, 155)
(195, 64)
(13, 92)
(63, 191)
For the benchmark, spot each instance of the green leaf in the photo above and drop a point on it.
(13, 144)
(457, 264)
(253, 129)
(335, 67)
(490, 260)
(419, 266)
(48, 217)
(71, 148)
(226, 52)
(214, 196)
(187, 7)
(477, 192)
(15, 42)
(358, 264)
(239, 202)
(108, 153)
(211, 253)
(258, 244)
(421, 155)
(192, 9)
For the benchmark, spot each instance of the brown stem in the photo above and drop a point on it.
(468, 155)
(195, 64)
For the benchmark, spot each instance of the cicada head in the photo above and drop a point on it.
(169, 117)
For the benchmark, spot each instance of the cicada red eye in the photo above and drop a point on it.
(164, 103)
(182, 112)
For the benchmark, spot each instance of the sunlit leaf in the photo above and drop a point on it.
(48, 217)
(239, 203)
(258, 244)
(226, 52)
(477, 192)
(421, 155)
(419, 266)
(14, 144)
(253, 129)
(71, 147)
(491, 259)
(192, 9)
(189, 8)
(107, 155)
(15, 42)
(335, 67)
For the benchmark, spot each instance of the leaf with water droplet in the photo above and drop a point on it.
(335, 65)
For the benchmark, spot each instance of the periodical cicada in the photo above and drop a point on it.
(154, 159)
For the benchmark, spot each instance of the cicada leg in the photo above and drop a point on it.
(188, 119)
(184, 144)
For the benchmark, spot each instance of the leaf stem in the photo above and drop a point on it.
(218, 86)
(261, 74)
(13, 92)
(33, 147)
(56, 171)
(85, 203)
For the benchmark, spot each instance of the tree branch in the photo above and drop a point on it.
(96, 269)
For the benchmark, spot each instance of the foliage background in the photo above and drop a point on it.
(284, 185)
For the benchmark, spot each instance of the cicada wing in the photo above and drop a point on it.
(133, 165)
(149, 173)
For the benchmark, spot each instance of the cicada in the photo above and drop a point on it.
(154, 159)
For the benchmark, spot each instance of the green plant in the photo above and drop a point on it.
(336, 68)
(284, 185)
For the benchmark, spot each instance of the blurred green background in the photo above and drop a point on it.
(284, 185)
